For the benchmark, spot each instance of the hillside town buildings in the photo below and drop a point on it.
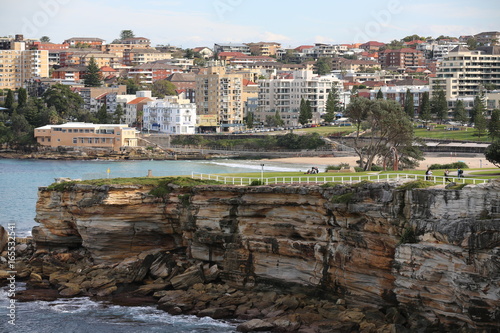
(223, 84)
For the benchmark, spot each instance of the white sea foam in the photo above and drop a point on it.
(256, 165)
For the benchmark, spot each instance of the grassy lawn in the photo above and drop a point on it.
(326, 130)
(440, 132)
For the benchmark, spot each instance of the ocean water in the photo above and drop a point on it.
(19, 182)
(20, 179)
(82, 315)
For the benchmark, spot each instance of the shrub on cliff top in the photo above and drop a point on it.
(61, 187)
(343, 198)
(415, 184)
(164, 186)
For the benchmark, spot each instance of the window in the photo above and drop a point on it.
(75, 140)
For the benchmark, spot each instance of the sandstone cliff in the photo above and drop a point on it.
(432, 251)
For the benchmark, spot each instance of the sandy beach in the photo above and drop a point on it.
(473, 161)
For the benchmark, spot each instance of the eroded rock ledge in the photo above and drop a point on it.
(432, 253)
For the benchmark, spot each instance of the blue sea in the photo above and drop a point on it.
(19, 182)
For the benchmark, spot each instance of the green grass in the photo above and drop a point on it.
(440, 132)
(486, 173)
(326, 130)
(147, 181)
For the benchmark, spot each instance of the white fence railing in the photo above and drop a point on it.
(321, 179)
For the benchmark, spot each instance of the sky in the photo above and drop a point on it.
(192, 23)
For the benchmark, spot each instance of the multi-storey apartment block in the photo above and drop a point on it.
(221, 93)
(152, 72)
(170, 115)
(285, 92)
(18, 65)
(265, 49)
(401, 58)
(465, 73)
(230, 47)
(135, 57)
(86, 135)
(78, 41)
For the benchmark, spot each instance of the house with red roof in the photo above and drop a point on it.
(134, 108)
(70, 73)
(107, 71)
(371, 46)
(224, 56)
(204, 51)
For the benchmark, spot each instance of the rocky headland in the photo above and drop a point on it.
(367, 257)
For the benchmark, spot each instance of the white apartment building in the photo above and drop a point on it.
(285, 92)
(170, 115)
(465, 73)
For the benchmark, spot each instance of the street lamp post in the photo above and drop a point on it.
(262, 174)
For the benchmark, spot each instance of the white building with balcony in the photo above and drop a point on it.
(170, 115)
(285, 92)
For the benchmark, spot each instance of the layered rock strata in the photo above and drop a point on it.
(435, 252)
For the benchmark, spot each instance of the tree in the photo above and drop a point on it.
(412, 37)
(133, 85)
(303, 114)
(30, 112)
(439, 105)
(323, 66)
(162, 88)
(45, 39)
(480, 123)
(332, 105)
(492, 153)
(478, 108)
(494, 125)
(92, 77)
(460, 114)
(409, 108)
(425, 110)
(126, 34)
(472, 43)
(63, 99)
(389, 126)
(102, 115)
(22, 97)
(189, 54)
(395, 44)
(9, 101)
(380, 94)
(309, 112)
(118, 114)
(277, 116)
(249, 119)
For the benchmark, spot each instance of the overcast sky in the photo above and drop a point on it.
(192, 23)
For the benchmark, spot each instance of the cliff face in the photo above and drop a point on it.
(350, 240)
